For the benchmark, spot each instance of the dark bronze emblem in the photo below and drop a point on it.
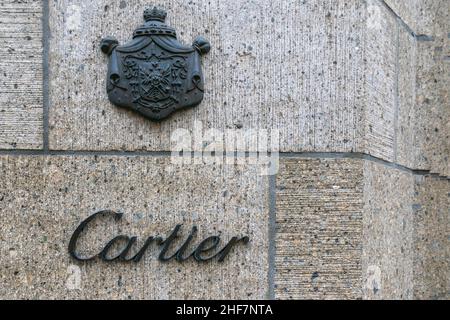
(154, 74)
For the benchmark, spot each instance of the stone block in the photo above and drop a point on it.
(380, 45)
(423, 129)
(44, 199)
(21, 75)
(408, 141)
(349, 229)
(319, 229)
(387, 237)
(431, 238)
(322, 73)
(432, 105)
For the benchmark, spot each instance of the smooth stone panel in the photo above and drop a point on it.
(388, 228)
(21, 100)
(43, 200)
(320, 72)
(319, 229)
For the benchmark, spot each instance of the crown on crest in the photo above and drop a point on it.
(155, 14)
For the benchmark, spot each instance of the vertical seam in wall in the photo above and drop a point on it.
(45, 72)
(397, 90)
(272, 236)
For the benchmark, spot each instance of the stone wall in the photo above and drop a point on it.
(430, 239)
(43, 199)
(21, 75)
(360, 205)
(320, 209)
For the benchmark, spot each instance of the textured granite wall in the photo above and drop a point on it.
(424, 107)
(319, 229)
(44, 199)
(388, 227)
(21, 99)
(349, 228)
(431, 238)
(365, 77)
(270, 68)
(358, 90)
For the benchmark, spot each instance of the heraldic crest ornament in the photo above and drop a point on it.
(154, 74)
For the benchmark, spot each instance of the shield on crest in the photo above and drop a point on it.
(154, 74)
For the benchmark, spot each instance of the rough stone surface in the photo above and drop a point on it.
(43, 199)
(331, 76)
(380, 81)
(424, 17)
(388, 224)
(407, 11)
(320, 72)
(21, 74)
(273, 65)
(433, 105)
(319, 229)
(423, 128)
(431, 16)
(431, 238)
(408, 153)
(325, 89)
(357, 229)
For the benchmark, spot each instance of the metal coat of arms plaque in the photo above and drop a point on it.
(154, 74)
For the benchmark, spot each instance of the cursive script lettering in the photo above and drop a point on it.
(207, 250)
